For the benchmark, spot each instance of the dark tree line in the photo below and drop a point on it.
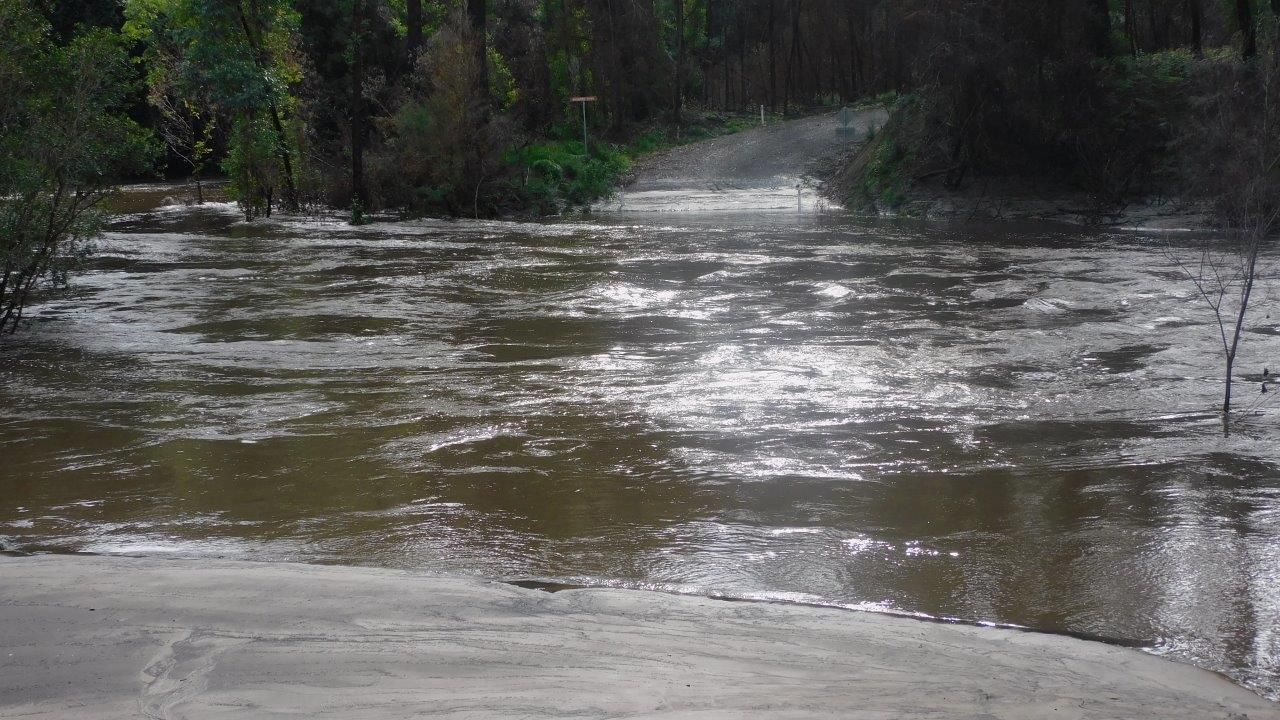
(422, 104)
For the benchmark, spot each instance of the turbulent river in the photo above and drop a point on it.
(997, 423)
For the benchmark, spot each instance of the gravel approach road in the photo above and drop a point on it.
(119, 637)
(767, 168)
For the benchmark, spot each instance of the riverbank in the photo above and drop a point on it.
(1004, 198)
(115, 637)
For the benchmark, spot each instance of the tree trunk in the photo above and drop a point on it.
(477, 11)
(773, 55)
(742, 61)
(1246, 292)
(726, 93)
(1197, 20)
(786, 81)
(282, 144)
(677, 105)
(1248, 33)
(1101, 24)
(835, 75)
(1131, 27)
(792, 57)
(1156, 43)
(615, 105)
(709, 32)
(282, 151)
(413, 19)
(359, 195)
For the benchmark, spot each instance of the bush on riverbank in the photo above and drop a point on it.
(64, 138)
(550, 176)
(553, 176)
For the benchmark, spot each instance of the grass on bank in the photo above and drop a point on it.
(554, 175)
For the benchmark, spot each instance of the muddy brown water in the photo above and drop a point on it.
(1000, 423)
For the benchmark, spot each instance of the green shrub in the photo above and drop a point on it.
(554, 175)
(886, 178)
(884, 99)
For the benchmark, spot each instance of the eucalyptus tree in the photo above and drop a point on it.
(63, 140)
(237, 58)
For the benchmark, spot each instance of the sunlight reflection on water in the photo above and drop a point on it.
(999, 423)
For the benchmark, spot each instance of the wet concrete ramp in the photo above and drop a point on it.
(115, 637)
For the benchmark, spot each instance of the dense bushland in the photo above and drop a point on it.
(1074, 96)
(463, 106)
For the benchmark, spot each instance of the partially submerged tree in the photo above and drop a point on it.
(238, 57)
(63, 141)
(187, 116)
(444, 143)
(1232, 158)
(1224, 276)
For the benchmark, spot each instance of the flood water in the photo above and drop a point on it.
(1003, 423)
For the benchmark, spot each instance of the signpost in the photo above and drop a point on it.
(586, 149)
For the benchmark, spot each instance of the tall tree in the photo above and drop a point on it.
(1197, 21)
(710, 39)
(1248, 32)
(1099, 18)
(1131, 27)
(359, 33)
(257, 21)
(63, 140)
(773, 54)
(677, 105)
(413, 28)
(236, 56)
(477, 11)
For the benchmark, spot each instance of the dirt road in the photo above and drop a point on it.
(761, 169)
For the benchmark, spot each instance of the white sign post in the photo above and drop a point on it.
(846, 116)
(586, 150)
